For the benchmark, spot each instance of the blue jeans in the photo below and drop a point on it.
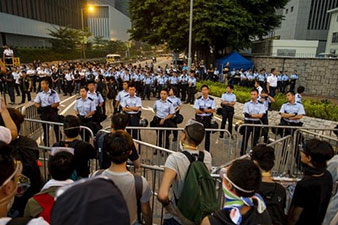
(170, 221)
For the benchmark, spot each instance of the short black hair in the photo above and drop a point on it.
(119, 121)
(16, 116)
(46, 81)
(320, 152)
(205, 86)
(291, 92)
(300, 89)
(264, 155)
(84, 87)
(195, 133)
(245, 174)
(7, 166)
(125, 82)
(230, 86)
(165, 89)
(254, 90)
(117, 146)
(61, 166)
(273, 70)
(132, 85)
(174, 90)
(71, 126)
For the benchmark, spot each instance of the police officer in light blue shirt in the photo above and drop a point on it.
(99, 116)
(253, 112)
(228, 101)
(131, 105)
(164, 112)
(173, 81)
(84, 106)
(47, 101)
(121, 96)
(204, 108)
(292, 112)
(285, 81)
(293, 79)
(266, 100)
(183, 85)
(191, 88)
(148, 82)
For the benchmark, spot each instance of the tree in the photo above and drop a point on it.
(65, 38)
(217, 24)
(99, 42)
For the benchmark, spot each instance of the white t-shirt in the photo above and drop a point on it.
(8, 52)
(179, 163)
(5, 135)
(37, 221)
(272, 80)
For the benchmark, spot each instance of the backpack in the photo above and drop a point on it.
(19, 221)
(138, 189)
(46, 201)
(198, 197)
(272, 202)
(104, 163)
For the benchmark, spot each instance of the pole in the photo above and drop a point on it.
(190, 34)
(82, 43)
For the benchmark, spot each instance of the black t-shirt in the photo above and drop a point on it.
(274, 196)
(82, 153)
(55, 76)
(313, 195)
(251, 217)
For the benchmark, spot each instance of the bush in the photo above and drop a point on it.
(313, 108)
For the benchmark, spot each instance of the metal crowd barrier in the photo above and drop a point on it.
(34, 128)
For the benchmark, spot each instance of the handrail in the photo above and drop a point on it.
(284, 127)
(153, 146)
(316, 134)
(279, 140)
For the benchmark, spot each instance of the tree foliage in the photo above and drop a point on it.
(217, 24)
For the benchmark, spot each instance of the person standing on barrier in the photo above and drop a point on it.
(253, 112)
(271, 82)
(312, 194)
(228, 110)
(165, 111)
(47, 101)
(25, 87)
(291, 113)
(121, 96)
(183, 85)
(204, 108)
(191, 88)
(132, 105)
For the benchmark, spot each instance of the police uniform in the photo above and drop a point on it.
(191, 90)
(285, 82)
(84, 106)
(47, 113)
(293, 80)
(249, 109)
(160, 84)
(120, 97)
(163, 109)
(133, 116)
(205, 118)
(173, 80)
(227, 111)
(176, 102)
(148, 81)
(265, 119)
(296, 108)
(261, 80)
(98, 99)
(298, 98)
(183, 86)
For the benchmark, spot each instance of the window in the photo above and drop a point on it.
(335, 37)
(286, 11)
(337, 18)
(291, 10)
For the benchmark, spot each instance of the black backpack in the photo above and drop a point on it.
(19, 221)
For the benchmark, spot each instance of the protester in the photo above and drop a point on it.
(273, 193)
(8, 131)
(312, 194)
(135, 189)
(240, 181)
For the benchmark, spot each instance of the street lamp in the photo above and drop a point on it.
(190, 33)
(90, 8)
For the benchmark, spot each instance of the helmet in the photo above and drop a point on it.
(219, 111)
(143, 123)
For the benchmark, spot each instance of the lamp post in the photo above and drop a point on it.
(190, 33)
(90, 9)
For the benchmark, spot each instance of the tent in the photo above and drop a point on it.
(236, 61)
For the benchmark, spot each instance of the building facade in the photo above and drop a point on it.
(26, 23)
(306, 20)
(110, 19)
(332, 37)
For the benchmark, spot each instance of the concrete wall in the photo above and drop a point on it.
(303, 48)
(318, 76)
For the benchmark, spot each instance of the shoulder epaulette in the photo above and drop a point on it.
(211, 98)
(127, 95)
(199, 97)
(169, 101)
(90, 99)
(78, 98)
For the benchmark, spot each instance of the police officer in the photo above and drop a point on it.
(84, 106)
(121, 96)
(161, 80)
(131, 105)
(98, 100)
(164, 112)
(173, 81)
(204, 108)
(291, 113)
(47, 101)
(266, 100)
(191, 88)
(285, 81)
(253, 111)
(148, 81)
(183, 85)
(177, 106)
(293, 79)
(228, 102)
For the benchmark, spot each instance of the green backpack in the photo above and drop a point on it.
(198, 198)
